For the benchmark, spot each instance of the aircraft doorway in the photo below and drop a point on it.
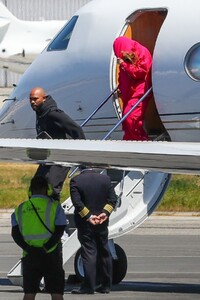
(143, 26)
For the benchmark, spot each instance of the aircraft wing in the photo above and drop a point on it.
(169, 157)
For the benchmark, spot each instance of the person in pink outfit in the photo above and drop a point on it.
(134, 80)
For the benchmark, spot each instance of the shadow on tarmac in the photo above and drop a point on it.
(156, 287)
(5, 281)
(161, 287)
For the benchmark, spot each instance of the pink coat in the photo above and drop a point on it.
(134, 80)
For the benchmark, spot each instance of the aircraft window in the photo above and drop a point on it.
(192, 62)
(62, 39)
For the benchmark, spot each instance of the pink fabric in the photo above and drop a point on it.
(134, 81)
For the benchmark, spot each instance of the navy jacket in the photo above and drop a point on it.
(91, 193)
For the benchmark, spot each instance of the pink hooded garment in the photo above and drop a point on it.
(134, 80)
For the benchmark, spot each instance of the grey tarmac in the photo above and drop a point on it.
(163, 261)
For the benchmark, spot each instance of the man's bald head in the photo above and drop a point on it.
(37, 97)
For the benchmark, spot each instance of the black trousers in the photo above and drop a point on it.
(94, 249)
(55, 175)
(49, 266)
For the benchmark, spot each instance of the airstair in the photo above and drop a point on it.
(138, 191)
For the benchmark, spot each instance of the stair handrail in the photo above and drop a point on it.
(90, 116)
(118, 123)
(128, 113)
(121, 189)
(98, 107)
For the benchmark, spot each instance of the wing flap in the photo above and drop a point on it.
(170, 157)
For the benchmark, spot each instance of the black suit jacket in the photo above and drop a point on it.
(91, 194)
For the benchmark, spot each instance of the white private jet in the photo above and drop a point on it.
(78, 68)
(21, 41)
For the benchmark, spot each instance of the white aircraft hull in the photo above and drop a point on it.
(80, 76)
(21, 41)
(83, 74)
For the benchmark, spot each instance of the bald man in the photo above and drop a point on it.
(55, 123)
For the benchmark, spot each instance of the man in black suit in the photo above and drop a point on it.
(94, 198)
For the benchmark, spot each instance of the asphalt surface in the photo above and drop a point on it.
(163, 261)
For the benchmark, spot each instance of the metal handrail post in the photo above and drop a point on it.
(127, 114)
(100, 105)
(120, 121)
(90, 116)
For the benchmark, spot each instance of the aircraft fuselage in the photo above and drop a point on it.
(80, 75)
